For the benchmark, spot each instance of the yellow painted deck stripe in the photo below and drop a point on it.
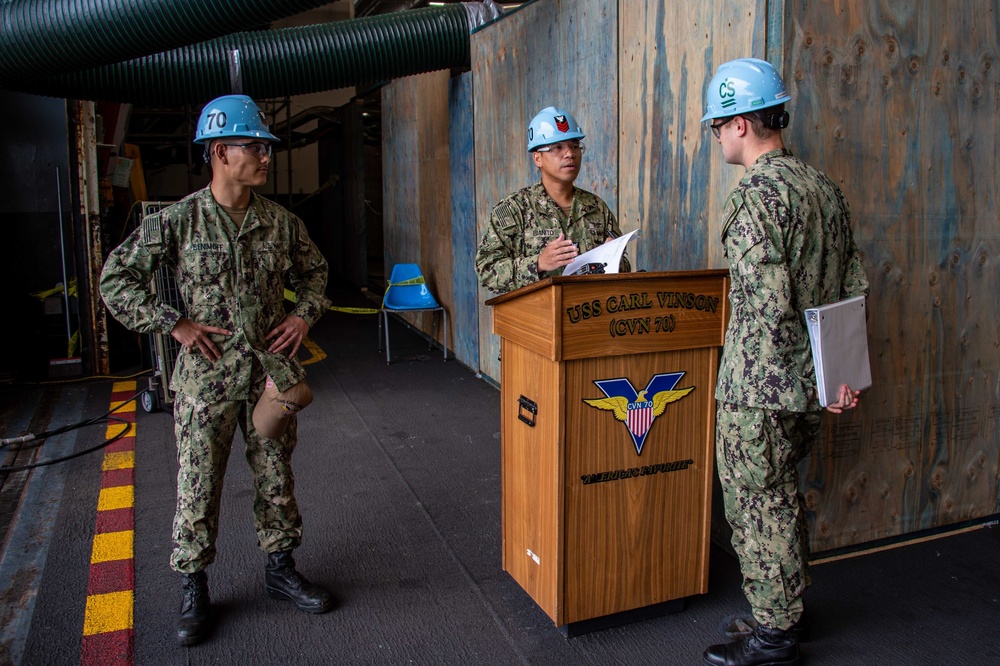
(121, 387)
(118, 460)
(108, 612)
(112, 546)
(317, 353)
(114, 429)
(119, 497)
(116, 405)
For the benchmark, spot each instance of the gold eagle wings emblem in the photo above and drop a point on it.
(619, 404)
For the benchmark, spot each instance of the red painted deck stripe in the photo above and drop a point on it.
(113, 478)
(115, 520)
(114, 647)
(123, 444)
(116, 576)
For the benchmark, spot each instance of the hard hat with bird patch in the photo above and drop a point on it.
(552, 125)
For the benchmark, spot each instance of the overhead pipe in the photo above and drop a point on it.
(41, 38)
(278, 63)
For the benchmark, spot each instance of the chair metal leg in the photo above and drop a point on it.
(387, 353)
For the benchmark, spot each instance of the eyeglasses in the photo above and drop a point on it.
(717, 127)
(261, 150)
(560, 148)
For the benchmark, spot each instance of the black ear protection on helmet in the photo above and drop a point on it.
(776, 118)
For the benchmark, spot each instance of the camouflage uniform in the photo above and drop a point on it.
(232, 278)
(521, 226)
(788, 240)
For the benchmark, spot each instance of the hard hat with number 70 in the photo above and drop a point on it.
(552, 125)
(232, 115)
(743, 86)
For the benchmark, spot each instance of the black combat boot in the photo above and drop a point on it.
(763, 647)
(282, 581)
(735, 626)
(195, 620)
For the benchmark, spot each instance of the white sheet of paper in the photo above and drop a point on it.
(609, 254)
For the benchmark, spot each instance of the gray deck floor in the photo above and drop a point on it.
(398, 478)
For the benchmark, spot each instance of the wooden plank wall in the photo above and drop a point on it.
(673, 179)
(556, 52)
(417, 184)
(898, 102)
(464, 230)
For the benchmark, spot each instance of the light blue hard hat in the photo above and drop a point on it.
(552, 125)
(232, 115)
(743, 86)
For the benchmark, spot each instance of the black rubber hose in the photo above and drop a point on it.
(52, 37)
(276, 63)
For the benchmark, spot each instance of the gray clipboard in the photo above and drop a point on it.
(838, 335)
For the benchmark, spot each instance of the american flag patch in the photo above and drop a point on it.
(152, 232)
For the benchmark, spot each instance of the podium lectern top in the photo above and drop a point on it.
(585, 316)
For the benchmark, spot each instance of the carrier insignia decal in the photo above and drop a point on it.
(638, 410)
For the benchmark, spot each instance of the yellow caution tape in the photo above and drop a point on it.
(71, 345)
(353, 310)
(58, 289)
(405, 283)
(290, 296)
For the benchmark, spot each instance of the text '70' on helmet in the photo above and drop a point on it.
(232, 115)
(552, 125)
(743, 86)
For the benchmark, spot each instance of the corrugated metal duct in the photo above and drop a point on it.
(48, 37)
(276, 63)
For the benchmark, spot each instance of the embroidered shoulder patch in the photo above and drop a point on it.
(152, 230)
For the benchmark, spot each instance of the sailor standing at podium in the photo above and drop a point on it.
(787, 236)
(535, 232)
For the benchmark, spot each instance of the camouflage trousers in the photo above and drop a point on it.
(757, 453)
(204, 434)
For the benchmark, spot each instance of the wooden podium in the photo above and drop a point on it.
(607, 435)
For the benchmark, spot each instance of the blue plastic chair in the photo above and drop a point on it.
(408, 292)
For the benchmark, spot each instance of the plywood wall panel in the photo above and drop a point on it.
(673, 180)
(464, 231)
(898, 103)
(399, 193)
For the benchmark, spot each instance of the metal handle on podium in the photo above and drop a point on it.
(528, 405)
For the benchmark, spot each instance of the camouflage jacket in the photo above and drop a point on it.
(228, 277)
(522, 224)
(788, 239)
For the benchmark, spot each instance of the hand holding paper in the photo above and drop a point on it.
(609, 254)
